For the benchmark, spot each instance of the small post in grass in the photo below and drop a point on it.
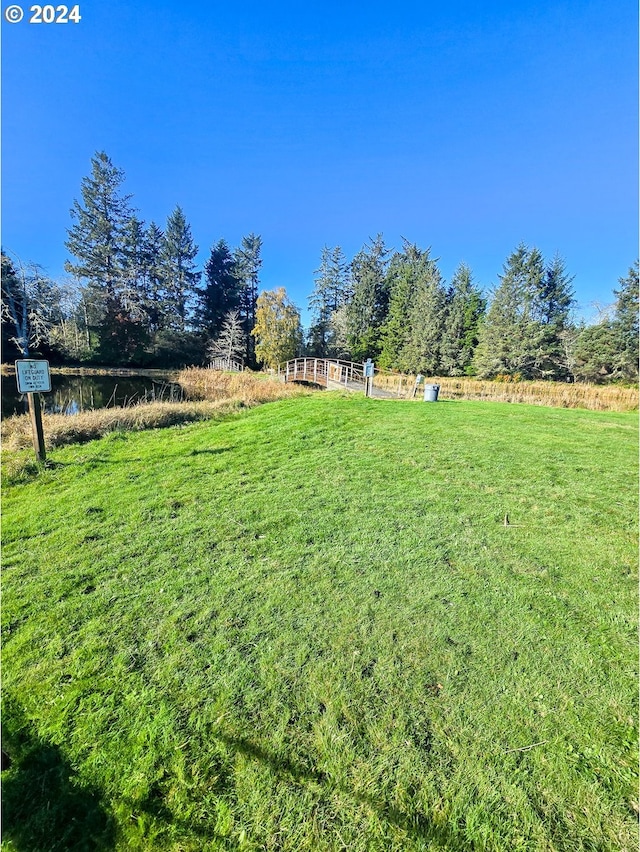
(34, 378)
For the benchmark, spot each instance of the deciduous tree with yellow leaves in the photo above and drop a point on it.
(277, 331)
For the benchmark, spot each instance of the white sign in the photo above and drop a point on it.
(33, 376)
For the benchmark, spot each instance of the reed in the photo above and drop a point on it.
(251, 388)
(60, 429)
(555, 394)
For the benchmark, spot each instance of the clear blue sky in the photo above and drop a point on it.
(465, 126)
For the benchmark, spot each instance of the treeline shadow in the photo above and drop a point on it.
(44, 809)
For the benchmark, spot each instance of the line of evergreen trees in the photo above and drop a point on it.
(396, 308)
(135, 297)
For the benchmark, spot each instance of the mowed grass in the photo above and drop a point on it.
(308, 627)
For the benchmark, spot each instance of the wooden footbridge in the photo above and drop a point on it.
(334, 374)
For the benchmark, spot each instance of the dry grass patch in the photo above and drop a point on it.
(62, 429)
(250, 388)
(557, 394)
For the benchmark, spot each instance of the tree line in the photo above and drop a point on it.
(396, 307)
(134, 296)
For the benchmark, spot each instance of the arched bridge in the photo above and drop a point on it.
(334, 374)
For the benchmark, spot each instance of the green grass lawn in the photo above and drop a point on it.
(307, 627)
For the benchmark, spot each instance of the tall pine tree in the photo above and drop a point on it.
(625, 325)
(153, 277)
(247, 269)
(329, 295)
(511, 340)
(221, 292)
(369, 303)
(464, 310)
(411, 277)
(101, 241)
(101, 218)
(179, 273)
(426, 320)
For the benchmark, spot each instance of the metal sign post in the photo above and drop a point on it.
(34, 378)
(368, 368)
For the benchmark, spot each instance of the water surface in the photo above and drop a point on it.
(72, 394)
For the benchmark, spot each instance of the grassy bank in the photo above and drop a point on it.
(222, 393)
(330, 623)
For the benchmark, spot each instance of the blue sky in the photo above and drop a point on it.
(466, 127)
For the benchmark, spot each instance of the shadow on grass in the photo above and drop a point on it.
(214, 451)
(416, 825)
(43, 808)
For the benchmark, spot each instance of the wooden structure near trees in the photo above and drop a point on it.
(335, 374)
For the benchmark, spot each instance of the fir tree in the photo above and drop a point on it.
(329, 295)
(369, 303)
(133, 289)
(464, 310)
(512, 337)
(179, 274)
(551, 307)
(426, 321)
(221, 292)
(153, 277)
(97, 239)
(596, 353)
(410, 274)
(247, 270)
(625, 325)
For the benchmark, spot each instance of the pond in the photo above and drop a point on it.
(71, 394)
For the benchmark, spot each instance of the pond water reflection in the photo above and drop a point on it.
(71, 394)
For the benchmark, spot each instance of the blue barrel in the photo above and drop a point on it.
(431, 393)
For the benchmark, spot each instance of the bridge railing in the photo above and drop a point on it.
(333, 371)
(321, 371)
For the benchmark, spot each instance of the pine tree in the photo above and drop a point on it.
(221, 292)
(97, 239)
(369, 303)
(133, 290)
(329, 295)
(464, 310)
(248, 262)
(625, 325)
(551, 308)
(153, 277)
(512, 337)
(179, 272)
(426, 321)
(410, 274)
(596, 353)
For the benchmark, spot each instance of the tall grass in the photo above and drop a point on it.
(222, 393)
(556, 394)
(250, 388)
